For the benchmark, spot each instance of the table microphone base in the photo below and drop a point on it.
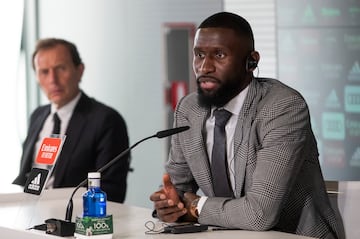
(59, 227)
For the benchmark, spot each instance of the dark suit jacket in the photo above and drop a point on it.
(278, 180)
(96, 133)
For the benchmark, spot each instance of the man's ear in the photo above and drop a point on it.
(252, 61)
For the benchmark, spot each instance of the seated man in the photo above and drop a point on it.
(95, 133)
(250, 147)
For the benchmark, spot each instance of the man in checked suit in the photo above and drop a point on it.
(272, 166)
(95, 133)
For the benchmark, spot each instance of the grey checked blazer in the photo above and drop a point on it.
(278, 180)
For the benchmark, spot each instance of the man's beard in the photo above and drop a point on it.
(228, 90)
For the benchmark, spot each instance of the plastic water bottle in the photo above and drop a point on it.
(94, 199)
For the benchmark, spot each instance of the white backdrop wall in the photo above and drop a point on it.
(122, 45)
(261, 15)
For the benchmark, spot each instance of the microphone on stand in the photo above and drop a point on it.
(67, 228)
(160, 134)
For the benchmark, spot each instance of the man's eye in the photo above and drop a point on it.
(220, 55)
(61, 68)
(200, 55)
(43, 72)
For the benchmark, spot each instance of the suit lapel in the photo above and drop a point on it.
(199, 161)
(241, 140)
(33, 134)
(73, 136)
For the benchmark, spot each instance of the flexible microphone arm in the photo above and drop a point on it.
(160, 134)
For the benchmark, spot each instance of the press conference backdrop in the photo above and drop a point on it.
(319, 55)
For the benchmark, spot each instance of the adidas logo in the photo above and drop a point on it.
(35, 183)
(355, 159)
(354, 74)
(36, 180)
(332, 101)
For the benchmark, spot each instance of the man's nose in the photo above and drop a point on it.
(53, 76)
(207, 66)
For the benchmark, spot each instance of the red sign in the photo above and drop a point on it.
(48, 151)
(178, 90)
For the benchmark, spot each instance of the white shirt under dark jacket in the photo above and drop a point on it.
(64, 114)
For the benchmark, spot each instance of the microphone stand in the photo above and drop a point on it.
(67, 228)
(69, 209)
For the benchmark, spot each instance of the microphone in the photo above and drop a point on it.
(169, 132)
(160, 134)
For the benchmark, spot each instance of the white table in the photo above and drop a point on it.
(347, 195)
(25, 210)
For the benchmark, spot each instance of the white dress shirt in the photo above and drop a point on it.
(234, 106)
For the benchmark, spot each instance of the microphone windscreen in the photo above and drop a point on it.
(169, 132)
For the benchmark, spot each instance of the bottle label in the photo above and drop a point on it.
(90, 226)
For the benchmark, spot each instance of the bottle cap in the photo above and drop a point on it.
(94, 175)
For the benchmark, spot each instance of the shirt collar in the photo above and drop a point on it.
(66, 109)
(235, 104)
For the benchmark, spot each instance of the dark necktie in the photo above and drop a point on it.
(219, 165)
(57, 123)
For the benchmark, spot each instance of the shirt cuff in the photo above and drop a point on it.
(201, 203)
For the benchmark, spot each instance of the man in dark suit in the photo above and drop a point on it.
(272, 178)
(95, 133)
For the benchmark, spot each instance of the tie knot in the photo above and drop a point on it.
(221, 117)
(56, 117)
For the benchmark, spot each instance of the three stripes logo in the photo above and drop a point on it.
(36, 181)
